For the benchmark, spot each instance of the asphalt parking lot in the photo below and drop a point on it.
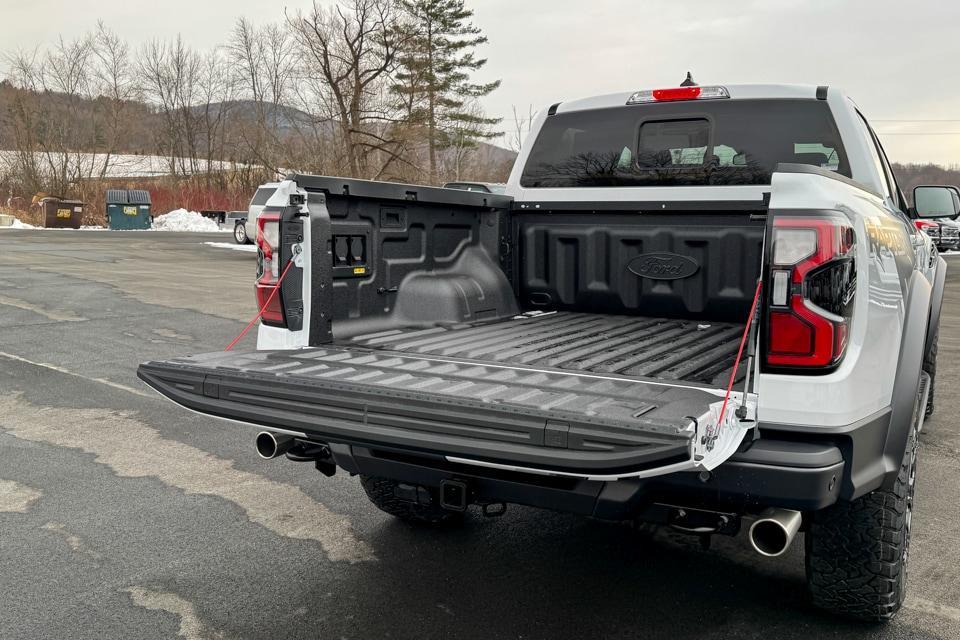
(124, 516)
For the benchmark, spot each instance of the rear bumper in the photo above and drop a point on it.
(508, 457)
(795, 475)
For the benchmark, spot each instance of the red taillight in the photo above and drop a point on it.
(812, 284)
(268, 268)
(929, 227)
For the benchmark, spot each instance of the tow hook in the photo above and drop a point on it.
(703, 523)
(453, 495)
(318, 454)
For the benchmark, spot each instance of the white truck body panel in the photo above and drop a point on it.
(863, 383)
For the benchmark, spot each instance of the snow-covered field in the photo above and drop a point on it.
(122, 165)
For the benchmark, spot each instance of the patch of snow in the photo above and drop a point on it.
(19, 225)
(232, 245)
(183, 220)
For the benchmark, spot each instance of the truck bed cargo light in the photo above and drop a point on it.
(678, 93)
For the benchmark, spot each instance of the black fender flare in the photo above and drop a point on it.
(918, 317)
(936, 302)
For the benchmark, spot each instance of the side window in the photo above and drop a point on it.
(875, 155)
(898, 196)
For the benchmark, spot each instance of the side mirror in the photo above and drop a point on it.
(936, 202)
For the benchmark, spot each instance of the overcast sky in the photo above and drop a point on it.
(898, 60)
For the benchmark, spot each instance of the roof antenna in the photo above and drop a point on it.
(689, 82)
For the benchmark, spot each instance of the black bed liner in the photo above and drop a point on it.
(554, 391)
(675, 350)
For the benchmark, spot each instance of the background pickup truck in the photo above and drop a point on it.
(695, 306)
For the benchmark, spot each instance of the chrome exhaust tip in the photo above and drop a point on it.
(773, 531)
(271, 445)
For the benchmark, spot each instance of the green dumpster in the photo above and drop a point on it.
(128, 209)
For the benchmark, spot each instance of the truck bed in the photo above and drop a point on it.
(572, 392)
(657, 348)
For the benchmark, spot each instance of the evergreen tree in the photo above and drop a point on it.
(433, 78)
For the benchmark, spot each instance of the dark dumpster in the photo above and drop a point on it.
(128, 209)
(62, 214)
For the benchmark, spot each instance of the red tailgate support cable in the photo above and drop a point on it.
(743, 341)
(276, 289)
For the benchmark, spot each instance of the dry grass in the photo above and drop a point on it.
(166, 195)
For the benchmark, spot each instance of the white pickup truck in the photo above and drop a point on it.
(694, 306)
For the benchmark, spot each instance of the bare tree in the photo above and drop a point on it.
(171, 73)
(521, 127)
(347, 54)
(264, 59)
(24, 118)
(216, 91)
(115, 83)
(56, 137)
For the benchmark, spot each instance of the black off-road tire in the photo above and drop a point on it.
(382, 493)
(857, 552)
(930, 366)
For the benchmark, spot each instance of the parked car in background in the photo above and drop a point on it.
(245, 228)
(944, 231)
(949, 235)
(931, 228)
(950, 228)
(482, 187)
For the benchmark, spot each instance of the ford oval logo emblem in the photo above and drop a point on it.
(663, 266)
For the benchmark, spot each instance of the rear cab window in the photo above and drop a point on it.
(691, 143)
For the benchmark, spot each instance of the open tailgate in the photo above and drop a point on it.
(534, 419)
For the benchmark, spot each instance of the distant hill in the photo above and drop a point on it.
(143, 123)
(283, 118)
(912, 175)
